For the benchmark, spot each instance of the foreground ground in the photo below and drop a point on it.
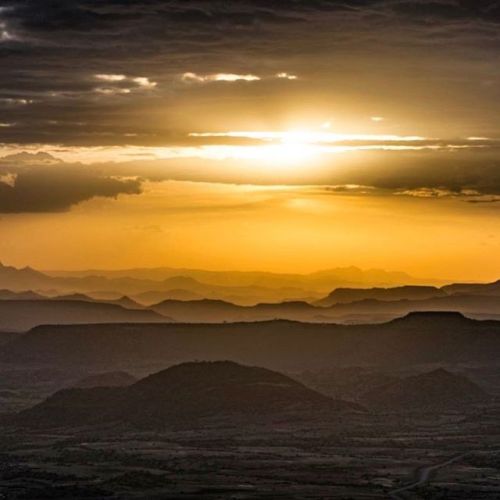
(362, 457)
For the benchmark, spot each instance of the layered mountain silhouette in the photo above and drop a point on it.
(443, 338)
(362, 311)
(342, 305)
(21, 315)
(320, 280)
(433, 391)
(244, 288)
(372, 310)
(182, 394)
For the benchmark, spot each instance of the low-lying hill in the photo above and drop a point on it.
(183, 394)
(21, 315)
(417, 338)
(433, 391)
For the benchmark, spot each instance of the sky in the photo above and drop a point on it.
(286, 136)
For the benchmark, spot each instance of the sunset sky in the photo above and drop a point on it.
(286, 136)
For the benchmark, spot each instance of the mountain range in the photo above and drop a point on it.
(194, 305)
(154, 285)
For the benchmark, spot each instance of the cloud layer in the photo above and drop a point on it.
(91, 72)
(31, 186)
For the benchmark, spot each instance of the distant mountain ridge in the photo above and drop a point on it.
(244, 288)
(200, 302)
(321, 279)
(26, 313)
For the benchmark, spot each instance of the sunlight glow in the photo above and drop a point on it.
(311, 137)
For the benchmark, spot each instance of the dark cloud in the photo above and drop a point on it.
(56, 187)
(41, 183)
(416, 59)
(460, 173)
(450, 10)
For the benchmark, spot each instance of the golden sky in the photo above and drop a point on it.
(252, 135)
(284, 229)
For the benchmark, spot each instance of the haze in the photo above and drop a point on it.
(284, 137)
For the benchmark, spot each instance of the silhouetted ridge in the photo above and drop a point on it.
(285, 345)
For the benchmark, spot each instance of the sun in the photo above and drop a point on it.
(284, 148)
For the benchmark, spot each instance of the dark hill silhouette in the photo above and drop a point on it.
(348, 295)
(185, 393)
(433, 391)
(473, 288)
(418, 338)
(106, 379)
(21, 315)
